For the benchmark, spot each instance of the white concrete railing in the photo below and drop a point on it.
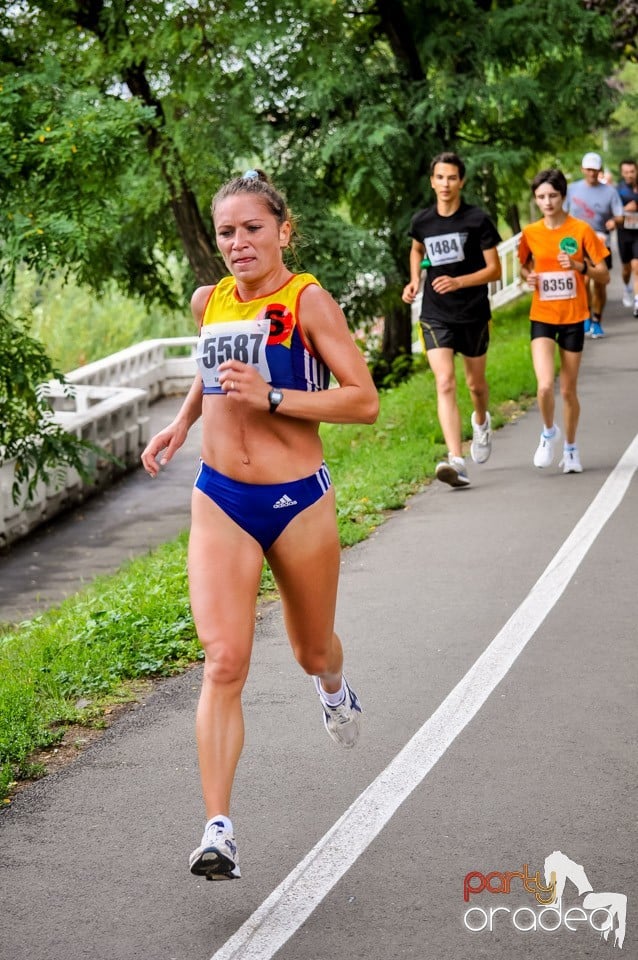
(160, 367)
(108, 407)
(500, 291)
(508, 287)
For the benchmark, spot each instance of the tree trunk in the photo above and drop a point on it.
(397, 332)
(204, 259)
(202, 254)
(513, 219)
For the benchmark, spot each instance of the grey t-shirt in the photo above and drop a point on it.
(595, 205)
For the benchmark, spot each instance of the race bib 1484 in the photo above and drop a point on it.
(448, 248)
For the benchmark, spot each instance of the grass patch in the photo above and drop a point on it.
(66, 666)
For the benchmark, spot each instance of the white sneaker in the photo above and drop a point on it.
(481, 445)
(571, 461)
(546, 450)
(342, 722)
(216, 856)
(628, 296)
(452, 471)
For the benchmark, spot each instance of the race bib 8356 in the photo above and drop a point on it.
(557, 285)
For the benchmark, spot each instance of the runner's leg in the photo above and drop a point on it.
(441, 362)
(224, 565)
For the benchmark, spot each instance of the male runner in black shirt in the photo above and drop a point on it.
(458, 244)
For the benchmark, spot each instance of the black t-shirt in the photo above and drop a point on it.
(454, 246)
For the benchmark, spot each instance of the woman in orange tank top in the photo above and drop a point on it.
(557, 253)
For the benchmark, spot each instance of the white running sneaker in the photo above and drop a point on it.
(546, 450)
(628, 295)
(571, 462)
(452, 471)
(342, 722)
(216, 856)
(481, 445)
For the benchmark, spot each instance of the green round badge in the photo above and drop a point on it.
(425, 264)
(568, 245)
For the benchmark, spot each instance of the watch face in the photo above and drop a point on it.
(276, 396)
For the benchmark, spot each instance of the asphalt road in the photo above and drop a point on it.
(490, 633)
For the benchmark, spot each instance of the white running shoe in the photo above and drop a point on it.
(481, 445)
(452, 471)
(628, 295)
(546, 450)
(216, 856)
(342, 722)
(571, 462)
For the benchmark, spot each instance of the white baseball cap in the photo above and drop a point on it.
(592, 161)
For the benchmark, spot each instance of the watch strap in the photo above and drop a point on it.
(274, 399)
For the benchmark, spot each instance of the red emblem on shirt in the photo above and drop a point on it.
(281, 322)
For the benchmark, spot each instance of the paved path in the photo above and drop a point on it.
(491, 634)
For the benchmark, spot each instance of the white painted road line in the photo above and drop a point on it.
(287, 907)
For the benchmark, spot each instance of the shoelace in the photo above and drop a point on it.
(215, 833)
(343, 712)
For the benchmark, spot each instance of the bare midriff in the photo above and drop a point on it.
(256, 447)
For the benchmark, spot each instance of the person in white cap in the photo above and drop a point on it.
(599, 205)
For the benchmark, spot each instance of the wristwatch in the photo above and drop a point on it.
(585, 267)
(274, 399)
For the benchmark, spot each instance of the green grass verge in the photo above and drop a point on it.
(66, 666)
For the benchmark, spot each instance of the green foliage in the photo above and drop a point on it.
(42, 450)
(623, 129)
(71, 183)
(77, 328)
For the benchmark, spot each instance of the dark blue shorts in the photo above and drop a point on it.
(262, 510)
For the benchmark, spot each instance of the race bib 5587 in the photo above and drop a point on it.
(243, 340)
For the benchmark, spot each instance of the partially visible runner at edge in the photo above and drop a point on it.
(628, 233)
(559, 254)
(599, 205)
(457, 244)
(269, 342)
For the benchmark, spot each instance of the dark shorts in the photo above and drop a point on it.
(568, 336)
(628, 246)
(468, 339)
(262, 510)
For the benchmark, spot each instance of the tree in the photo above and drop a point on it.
(369, 91)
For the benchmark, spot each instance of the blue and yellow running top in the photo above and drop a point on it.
(264, 332)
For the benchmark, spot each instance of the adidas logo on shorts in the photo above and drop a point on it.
(284, 501)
